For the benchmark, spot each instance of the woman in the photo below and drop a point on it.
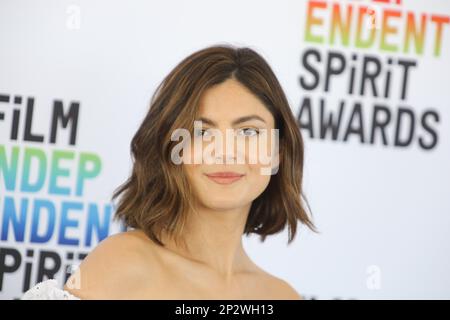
(187, 218)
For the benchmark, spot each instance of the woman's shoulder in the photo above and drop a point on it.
(118, 267)
(286, 291)
(279, 288)
(121, 248)
(122, 242)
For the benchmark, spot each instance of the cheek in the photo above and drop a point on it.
(260, 149)
(257, 181)
(191, 170)
(262, 160)
(196, 179)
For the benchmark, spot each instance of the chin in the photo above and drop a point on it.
(222, 204)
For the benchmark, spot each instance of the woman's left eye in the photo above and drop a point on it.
(248, 132)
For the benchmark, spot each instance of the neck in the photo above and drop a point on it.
(214, 239)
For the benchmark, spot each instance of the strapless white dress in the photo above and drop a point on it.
(48, 290)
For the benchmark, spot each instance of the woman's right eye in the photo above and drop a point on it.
(201, 132)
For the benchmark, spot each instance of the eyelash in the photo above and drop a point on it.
(256, 130)
(243, 129)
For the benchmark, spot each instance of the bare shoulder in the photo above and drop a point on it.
(281, 289)
(118, 267)
(287, 292)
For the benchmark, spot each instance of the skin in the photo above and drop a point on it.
(213, 264)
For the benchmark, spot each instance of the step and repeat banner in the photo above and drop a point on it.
(368, 81)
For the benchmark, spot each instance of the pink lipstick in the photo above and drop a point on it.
(224, 177)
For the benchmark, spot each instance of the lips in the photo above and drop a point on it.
(224, 177)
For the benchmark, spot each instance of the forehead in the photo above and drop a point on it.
(230, 100)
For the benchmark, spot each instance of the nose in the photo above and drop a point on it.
(224, 157)
(227, 149)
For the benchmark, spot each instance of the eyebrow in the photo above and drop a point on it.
(236, 121)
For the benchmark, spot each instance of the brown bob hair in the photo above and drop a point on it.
(157, 195)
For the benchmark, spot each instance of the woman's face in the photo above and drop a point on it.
(231, 107)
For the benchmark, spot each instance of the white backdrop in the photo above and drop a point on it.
(383, 211)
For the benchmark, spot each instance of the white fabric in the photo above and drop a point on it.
(48, 290)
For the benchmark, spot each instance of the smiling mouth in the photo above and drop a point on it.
(224, 177)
